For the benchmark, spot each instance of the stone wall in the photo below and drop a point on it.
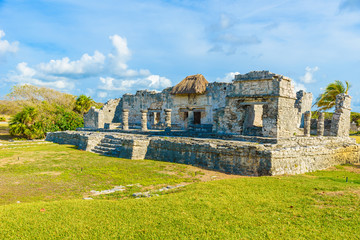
(244, 159)
(96, 118)
(287, 156)
(301, 155)
(263, 104)
(92, 118)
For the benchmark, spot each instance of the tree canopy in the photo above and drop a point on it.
(83, 103)
(37, 110)
(327, 99)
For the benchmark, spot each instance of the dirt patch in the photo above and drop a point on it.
(341, 193)
(205, 175)
(201, 174)
(333, 194)
(50, 173)
(14, 160)
(356, 192)
(354, 168)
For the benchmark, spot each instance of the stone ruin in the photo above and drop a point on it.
(256, 125)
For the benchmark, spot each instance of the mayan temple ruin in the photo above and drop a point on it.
(255, 125)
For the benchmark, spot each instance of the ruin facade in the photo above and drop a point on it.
(259, 103)
(256, 125)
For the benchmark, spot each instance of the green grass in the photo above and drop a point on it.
(357, 138)
(57, 172)
(318, 205)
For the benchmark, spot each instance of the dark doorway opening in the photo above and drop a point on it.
(197, 117)
(186, 115)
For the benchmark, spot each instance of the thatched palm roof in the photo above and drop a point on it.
(194, 84)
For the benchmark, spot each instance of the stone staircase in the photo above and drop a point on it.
(108, 146)
(121, 147)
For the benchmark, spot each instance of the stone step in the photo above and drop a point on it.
(108, 145)
(103, 148)
(106, 153)
(111, 140)
(97, 151)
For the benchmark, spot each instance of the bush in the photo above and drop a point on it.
(32, 123)
(27, 124)
(2, 119)
(355, 117)
(68, 120)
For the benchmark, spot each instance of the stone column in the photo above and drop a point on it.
(320, 124)
(340, 123)
(168, 118)
(190, 117)
(144, 120)
(307, 123)
(125, 119)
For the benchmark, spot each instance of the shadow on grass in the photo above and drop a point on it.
(5, 135)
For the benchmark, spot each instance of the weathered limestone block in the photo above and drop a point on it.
(321, 124)
(168, 118)
(144, 120)
(307, 123)
(340, 124)
(91, 118)
(125, 119)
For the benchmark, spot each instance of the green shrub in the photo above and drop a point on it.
(2, 119)
(27, 123)
(32, 123)
(355, 117)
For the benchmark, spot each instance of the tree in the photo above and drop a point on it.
(327, 99)
(26, 124)
(29, 95)
(83, 104)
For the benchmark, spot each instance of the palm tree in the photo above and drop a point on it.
(327, 99)
(25, 124)
(83, 104)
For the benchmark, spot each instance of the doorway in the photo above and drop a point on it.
(253, 121)
(197, 117)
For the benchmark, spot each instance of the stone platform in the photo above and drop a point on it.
(236, 155)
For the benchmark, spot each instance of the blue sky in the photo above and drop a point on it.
(107, 48)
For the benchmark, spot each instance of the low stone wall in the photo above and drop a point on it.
(287, 156)
(237, 158)
(300, 155)
(84, 140)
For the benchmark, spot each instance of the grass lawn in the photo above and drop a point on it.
(50, 181)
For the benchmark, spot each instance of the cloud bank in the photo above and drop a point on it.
(111, 71)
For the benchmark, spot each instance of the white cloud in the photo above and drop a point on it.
(86, 64)
(299, 86)
(28, 75)
(309, 75)
(157, 82)
(63, 73)
(152, 82)
(228, 77)
(5, 46)
(120, 56)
